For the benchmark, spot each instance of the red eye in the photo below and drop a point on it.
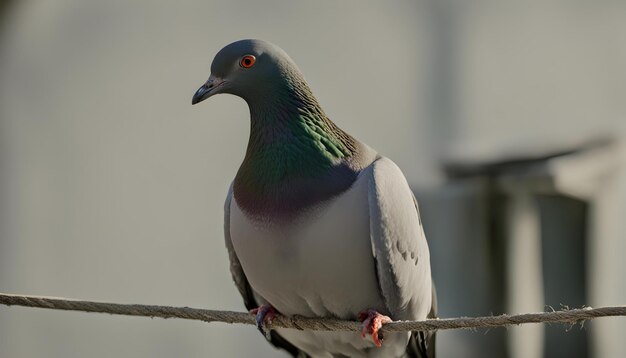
(247, 61)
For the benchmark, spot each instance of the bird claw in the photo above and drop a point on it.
(372, 322)
(265, 314)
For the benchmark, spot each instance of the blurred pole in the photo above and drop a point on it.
(525, 282)
(606, 257)
(564, 239)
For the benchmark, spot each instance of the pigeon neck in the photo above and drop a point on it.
(292, 121)
(292, 144)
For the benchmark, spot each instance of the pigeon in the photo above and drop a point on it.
(317, 223)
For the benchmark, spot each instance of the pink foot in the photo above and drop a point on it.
(372, 322)
(264, 315)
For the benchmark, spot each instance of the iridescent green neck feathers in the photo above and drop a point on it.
(296, 156)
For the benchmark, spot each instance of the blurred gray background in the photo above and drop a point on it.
(506, 117)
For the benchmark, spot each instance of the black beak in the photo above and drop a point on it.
(208, 89)
(202, 93)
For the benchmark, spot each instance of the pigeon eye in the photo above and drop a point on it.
(247, 61)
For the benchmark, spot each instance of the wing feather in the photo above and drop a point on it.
(398, 243)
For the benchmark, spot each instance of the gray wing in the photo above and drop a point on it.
(243, 286)
(250, 298)
(399, 247)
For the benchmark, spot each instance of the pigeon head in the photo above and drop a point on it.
(251, 69)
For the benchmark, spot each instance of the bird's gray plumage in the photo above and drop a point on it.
(319, 252)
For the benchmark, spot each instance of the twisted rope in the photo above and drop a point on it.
(571, 316)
